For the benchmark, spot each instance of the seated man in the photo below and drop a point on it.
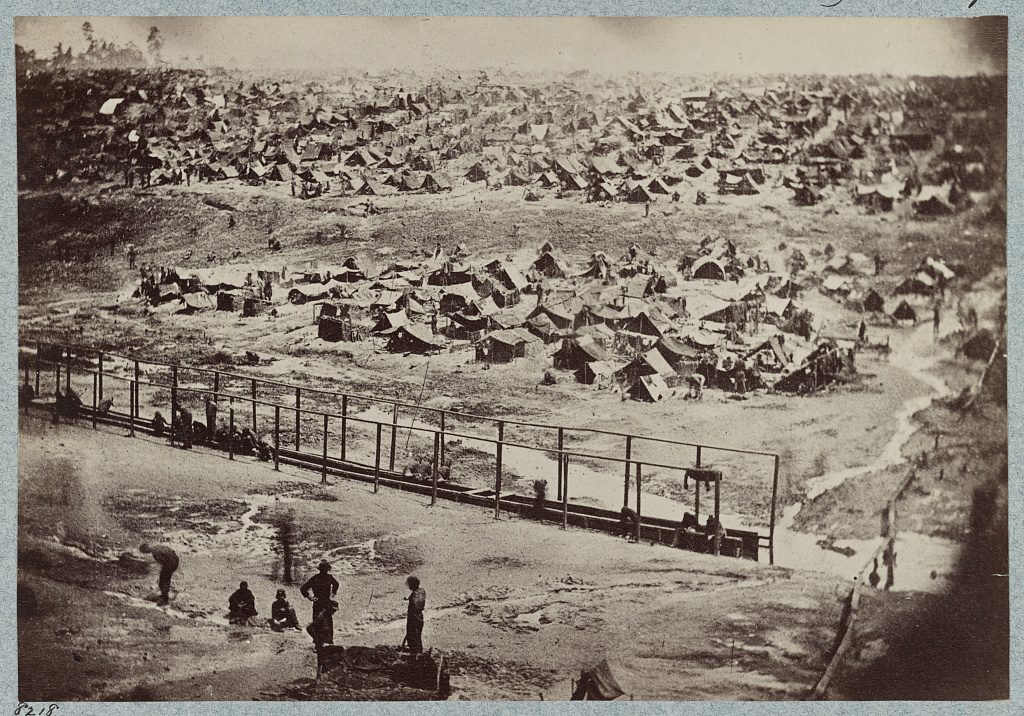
(159, 425)
(712, 528)
(686, 531)
(241, 605)
(264, 452)
(282, 616)
(628, 520)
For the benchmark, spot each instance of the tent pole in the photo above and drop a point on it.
(231, 432)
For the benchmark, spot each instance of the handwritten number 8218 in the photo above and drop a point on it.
(26, 710)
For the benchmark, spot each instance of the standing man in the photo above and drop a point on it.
(321, 589)
(936, 314)
(167, 558)
(211, 413)
(130, 251)
(414, 620)
(185, 426)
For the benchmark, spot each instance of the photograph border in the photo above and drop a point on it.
(655, 8)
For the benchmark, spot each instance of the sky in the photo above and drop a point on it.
(830, 45)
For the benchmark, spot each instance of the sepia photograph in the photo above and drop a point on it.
(511, 359)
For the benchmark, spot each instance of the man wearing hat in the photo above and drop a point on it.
(282, 616)
(321, 589)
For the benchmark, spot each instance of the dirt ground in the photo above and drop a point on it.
(764, 633)
(524, 606)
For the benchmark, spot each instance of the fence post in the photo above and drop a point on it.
(625, 487)
(639, 479)
(298, 408)
(718, 525)
(394, 438)
(231, 431)
(437, 452)
(344, 424)
(696, 501)
(564, 459)
(216, 381)
(57, 376)
(771, 520)
(133, 389)
(67, 378)
(135, 401)
(174, 401)
(252, 394)
(277, 437)
(376, 461)
(558, 456)
(99, 386)
(442, 437)
(323, 467)
(497, 469)
(699, 447)
(94, 403)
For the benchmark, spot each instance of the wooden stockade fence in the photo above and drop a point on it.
(100, 369)
(844, 635)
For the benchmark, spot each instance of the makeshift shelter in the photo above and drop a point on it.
(675, 352)
(873, 301)
(904, 312)
(934, 201)
(548, 265)
(388, 322)
(413, 338)
(576, 352)
(596, 373)
(197, 301)
(650, 363)
(708, 268)
(649, 389)
(504, 346)
(920, 284)
(979, 346)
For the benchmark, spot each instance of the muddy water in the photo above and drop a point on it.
(923, 563)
